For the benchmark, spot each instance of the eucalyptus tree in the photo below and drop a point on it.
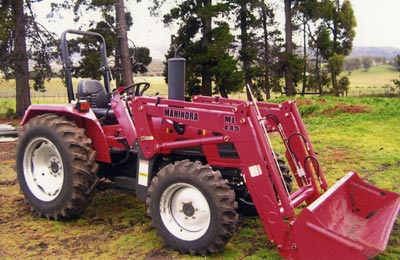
(333, 35)
(114, 26)
(270, 51)
(289, 86)
(22, 39)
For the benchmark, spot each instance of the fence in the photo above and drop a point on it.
(40, 98)
(7, 99)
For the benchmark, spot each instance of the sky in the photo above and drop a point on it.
(377, 24)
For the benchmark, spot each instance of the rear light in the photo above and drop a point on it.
(83, 106)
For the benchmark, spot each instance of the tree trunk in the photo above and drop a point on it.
(20, 59)
(118, 69)
(334, 81)
(336, 45)
(303, 89)
(267, 86)
(244, 56)
(126, 63)
(318, 72)
(290, 91)
(206, 83)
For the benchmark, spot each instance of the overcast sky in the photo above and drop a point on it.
(376, 25)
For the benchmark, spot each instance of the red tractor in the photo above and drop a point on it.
(195, 164)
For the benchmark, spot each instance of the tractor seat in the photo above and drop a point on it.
(94, 92)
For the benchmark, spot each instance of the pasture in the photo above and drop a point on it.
(374, 82)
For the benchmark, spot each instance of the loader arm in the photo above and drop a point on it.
(331, 216)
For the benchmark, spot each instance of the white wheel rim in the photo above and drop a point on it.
(43, 169)
(185, 211)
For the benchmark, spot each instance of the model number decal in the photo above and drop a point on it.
(230, 124)
(232, 128)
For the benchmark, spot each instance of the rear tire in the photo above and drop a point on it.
(56, 167)
(192, 207)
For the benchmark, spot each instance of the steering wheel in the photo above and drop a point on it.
(137, 86)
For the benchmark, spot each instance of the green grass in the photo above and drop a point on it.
(115, 226)
(366, 141)
(372, 81)
(375, 76)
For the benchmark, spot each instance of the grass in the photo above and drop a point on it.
(371, 82)
(347, 133)
(365, 140)
(375, 76)
(115, 226)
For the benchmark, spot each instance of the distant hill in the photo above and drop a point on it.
(387, 52)
(156, 67)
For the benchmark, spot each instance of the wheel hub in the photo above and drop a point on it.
(188, 209)
(55, 166)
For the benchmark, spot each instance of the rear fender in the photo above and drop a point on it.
(85, 120)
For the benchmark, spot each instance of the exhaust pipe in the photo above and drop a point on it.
(176, 76)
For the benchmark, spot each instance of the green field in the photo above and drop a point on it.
(56, 92)
(373, 82)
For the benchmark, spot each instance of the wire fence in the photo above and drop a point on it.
(40, 98)
(62, 98)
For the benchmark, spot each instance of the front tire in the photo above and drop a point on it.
(56, 167)
(192, 208)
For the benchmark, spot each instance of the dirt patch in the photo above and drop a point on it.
(7, 151)
(158, 255)
(303, 102)
(336, 154)
(350, 109)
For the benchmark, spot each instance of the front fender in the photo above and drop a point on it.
(85, 120)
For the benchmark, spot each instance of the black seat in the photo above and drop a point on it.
(93, 92)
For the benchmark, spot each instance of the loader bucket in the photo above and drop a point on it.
(352, 220)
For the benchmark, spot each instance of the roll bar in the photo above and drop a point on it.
(66, 62)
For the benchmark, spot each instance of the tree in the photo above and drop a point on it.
(351, 64)
(366, 62)
(397, 84)
(20, 59)
(344, 84)
(117, 25)
(289, 86)
(123, 47)
(23, 39)
(246, 22)
(207, 49)
(225, 71)
(396, 62)
(141, 59)
(334, 33)
(269, 51)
